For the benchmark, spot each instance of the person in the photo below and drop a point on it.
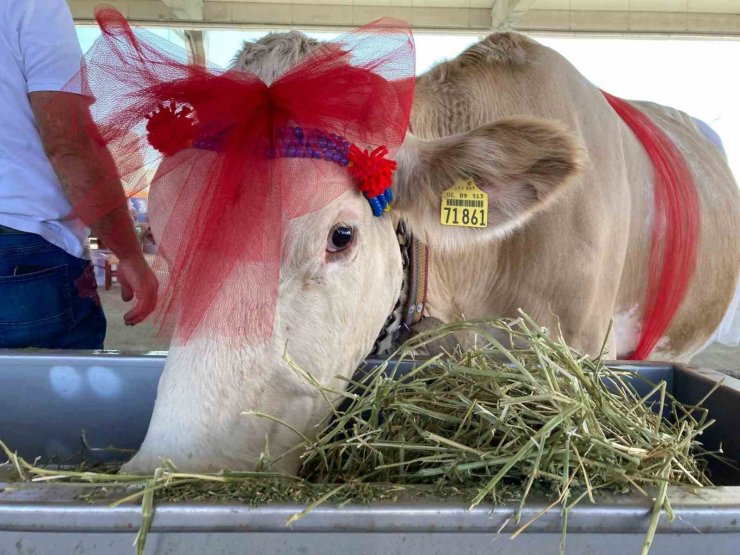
(50, 160)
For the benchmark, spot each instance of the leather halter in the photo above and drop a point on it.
(411, 304)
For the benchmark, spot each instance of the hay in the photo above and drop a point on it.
(533, 413)
(527, 414)
(495, 413)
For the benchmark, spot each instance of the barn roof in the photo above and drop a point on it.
(674, 17)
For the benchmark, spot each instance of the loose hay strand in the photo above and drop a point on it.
(147, 512)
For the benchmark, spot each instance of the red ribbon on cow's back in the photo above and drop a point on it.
(676, 227)
(225, 209)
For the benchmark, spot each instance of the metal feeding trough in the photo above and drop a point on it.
(48, 400)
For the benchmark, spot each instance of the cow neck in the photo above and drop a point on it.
(409, 308)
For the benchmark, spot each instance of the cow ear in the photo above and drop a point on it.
(522, 164)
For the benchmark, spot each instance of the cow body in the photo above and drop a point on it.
(570, 212)
(584, 261)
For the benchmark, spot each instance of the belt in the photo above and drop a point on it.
(10, 231)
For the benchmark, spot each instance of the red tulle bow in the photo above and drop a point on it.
(372, 170)
(219, 211)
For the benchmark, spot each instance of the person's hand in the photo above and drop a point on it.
(137, 280)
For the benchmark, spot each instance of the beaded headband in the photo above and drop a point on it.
(372, 170)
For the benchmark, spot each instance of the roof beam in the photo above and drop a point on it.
(258, 14)
(196, 46)
(505, 13)
(190, 10)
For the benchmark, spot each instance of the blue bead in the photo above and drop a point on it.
(316, 154)
(382, 201)
(298, 132)
(291, 152)
(327, 156)
(322, 141)
(388, 195)
(344, 161)
(375, 206)
(337, 157)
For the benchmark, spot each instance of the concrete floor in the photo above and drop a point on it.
(143, 338)
(720, 357)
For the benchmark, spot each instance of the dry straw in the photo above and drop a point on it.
(518, 411)
(525, 412)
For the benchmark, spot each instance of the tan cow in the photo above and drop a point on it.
(584, 258)
(570, 211)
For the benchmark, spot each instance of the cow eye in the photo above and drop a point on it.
(340, 238)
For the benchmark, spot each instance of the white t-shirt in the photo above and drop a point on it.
(39, 51)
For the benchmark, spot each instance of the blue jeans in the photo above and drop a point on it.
(48, 298)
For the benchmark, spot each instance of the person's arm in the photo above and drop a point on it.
(51, 56)
(87, 174)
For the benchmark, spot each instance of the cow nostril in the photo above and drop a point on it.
(340, 238)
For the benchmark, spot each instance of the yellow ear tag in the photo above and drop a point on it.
(464, 205)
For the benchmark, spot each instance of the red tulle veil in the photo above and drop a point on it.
(214, 143)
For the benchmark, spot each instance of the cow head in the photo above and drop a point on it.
(220, 405)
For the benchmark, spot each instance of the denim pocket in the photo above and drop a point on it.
(35, 308)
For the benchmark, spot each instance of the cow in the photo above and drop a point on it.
(570, 220)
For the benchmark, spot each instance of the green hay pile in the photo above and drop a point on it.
(493, 414)
(484, 423)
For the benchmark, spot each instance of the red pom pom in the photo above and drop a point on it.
(373, 171)
(170, 129)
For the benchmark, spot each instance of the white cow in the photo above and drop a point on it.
(570, 210)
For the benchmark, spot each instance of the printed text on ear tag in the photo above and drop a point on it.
(464, 205)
